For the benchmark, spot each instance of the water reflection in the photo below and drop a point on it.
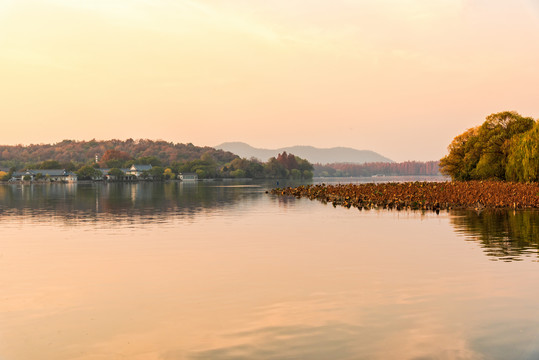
(115, 201)
(269, 278)
(503, 234)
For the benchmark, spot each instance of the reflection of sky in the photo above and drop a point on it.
(270, 278)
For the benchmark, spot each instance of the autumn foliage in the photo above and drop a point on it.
(85, 151)
(405, 168)
(168, 160)
(287, 160)
(113, 154)
(504, 147)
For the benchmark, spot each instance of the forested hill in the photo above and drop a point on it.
(85, 151)
(379, 168)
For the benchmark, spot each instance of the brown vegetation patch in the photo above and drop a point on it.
(423, 195)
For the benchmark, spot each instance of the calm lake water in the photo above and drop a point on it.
(225, 271)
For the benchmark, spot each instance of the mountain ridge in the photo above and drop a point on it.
(312, 154)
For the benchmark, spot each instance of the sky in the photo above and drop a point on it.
(399, 77)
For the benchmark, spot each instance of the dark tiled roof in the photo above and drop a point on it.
(51, 172)
(106, 171)
(44, 172)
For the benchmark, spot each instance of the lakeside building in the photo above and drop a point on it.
(125, 177)
(188, 177)
(133, 173)
(129, 174)
(137, 170)
(45, 174)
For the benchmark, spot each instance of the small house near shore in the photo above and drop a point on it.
(44, 175)
(137, 170)
(188, 177)
(125, 177)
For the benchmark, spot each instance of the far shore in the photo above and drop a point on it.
(134, 181)
(476, 195)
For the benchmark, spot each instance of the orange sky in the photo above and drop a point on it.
(400, 77)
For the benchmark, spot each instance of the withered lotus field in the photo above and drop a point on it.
(422, 195)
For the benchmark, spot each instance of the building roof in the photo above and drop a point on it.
(44, 172)
(141, 167)
(106, 171)
(51, 172)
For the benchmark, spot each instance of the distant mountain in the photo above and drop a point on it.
(314, 155)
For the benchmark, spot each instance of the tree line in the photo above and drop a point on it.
(504, 147)
(81, 152)
(377, 168)
(167, 160)
(284, 166)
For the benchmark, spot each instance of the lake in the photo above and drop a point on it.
(222, 270)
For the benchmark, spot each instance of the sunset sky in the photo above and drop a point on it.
(399, 77)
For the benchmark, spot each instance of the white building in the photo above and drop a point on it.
(188, 177)
(137, 170)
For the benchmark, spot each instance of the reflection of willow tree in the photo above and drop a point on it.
(145, 199)
(505, 235)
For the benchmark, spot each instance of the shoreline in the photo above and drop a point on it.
(476, 195)
(30, 182)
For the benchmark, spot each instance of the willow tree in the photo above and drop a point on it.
(523, 159)
(482, 152)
